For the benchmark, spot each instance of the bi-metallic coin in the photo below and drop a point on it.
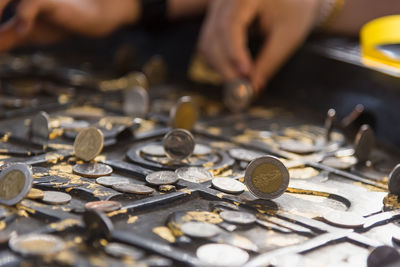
(88, 144)
(15, 183)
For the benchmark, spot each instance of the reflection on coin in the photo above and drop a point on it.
(244, 154)
(194, 174)
(342, 163)
(383, 256)
(119, 250)
(88, 144)
(55, 197)
(364, 143)
(228, 185)
(133, 189)
(40, 125)
(200, 229)
(297, 147)
(178, 144)
(92, 170)
(153, 150)
(136, 102)
(109, 181)
(36, 244)
(238, 95)
(238, 217)
(184, 114)
(15, 183)
(162, 178)
(267, 177)
(201, 150)
(35, 194)
(394, 180)
(344, 219)
(104, 205)
(222, 255)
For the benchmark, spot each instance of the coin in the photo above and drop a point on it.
(36, 244)
(109, 181)
(155, 70)
(266, 177)
(119, 250)
(228, 185)
(238, 95)
(344, 219)
(184, 114)
(244, 154)
(104, 205)
(98, 225)
(297, 147)
(303, 173)
(133, 189)
(40, 125)
(136, 102)
(35, 194)
(201, 150)
(88, 144)
(200, 229)
(364, 143)
(394, 180)
(92, 170)
(178, 144)
(238, 217)
(194, 174)
(15, 183)
(342, 163)
(153, 150)
(74, 125)
(162, 178)
(383, 256)
(55, 197)
(222, 255)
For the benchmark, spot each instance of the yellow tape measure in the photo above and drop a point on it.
(375, 36)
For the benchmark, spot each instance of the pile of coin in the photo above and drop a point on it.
(178, 144)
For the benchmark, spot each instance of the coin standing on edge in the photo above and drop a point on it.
(267, 177)
(133, 189)
(200, 229)
(222, 255)
(238, 95)
(136, 102)
(364, 143)
(103, 205)
(184, 114)
(88, 144)
(15, 183)
(178, 144)
(40, 125)
(162, 178)
(238, 217)
(55, 197)
(36, 244)
(228, 185)
(194, 174)
(92, 170)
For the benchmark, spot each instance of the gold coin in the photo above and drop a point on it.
(88, 144)
(184, 114)
(35, 194)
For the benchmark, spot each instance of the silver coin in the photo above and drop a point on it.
(119, 250)
(200, 229)
(394, 180)
(109, 181)
(201, 150)
(297, 147)
(194, 174)
(266, 177)
(40, 125)
(74, 125)
(15, 183)
(383, 256)
(228, 185)
(238, 217)
(244, 154)
(92, 170)
(344, 219)
(162, 178)
(222, 255)
(178, 144)
(133, 189)
(238, 95)
(136, 102)
(153, 150)
(342, 163)
(36, 244)
(55, 197)
(103, 205)
(183, 114)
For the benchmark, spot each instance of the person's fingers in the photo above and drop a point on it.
(3, 4)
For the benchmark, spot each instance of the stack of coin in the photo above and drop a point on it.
(178, 144)
(88, 144)
(40, 125)
(184, 114)
(15, 183)
(238, 95)
(136, 102)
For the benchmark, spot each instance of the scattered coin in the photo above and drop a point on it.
(267, 177)
(238, 217)
(136, 102)
(40, 125)
(200, 229)
(162, 178)
(36, 244)
(244, 154)
(297, 147)
(222, 255)
(35, 193)
(55, 197)
(383, 256)
(394, 180)
(238, 95)
(303, 173)
(104, 205)
(92, 170)
(178, 144)
(364, 143)
(153, 150)
(119, 250)
(194, 174)
(201, 150)
(342, 163)
(228, 185)
(109, 181)
(344, 219)
(88, 144)
(15, 183)
(184, 114)
(133, 189)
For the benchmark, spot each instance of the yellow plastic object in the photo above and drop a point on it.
(382, 31)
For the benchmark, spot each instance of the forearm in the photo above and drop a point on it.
(356, 13)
